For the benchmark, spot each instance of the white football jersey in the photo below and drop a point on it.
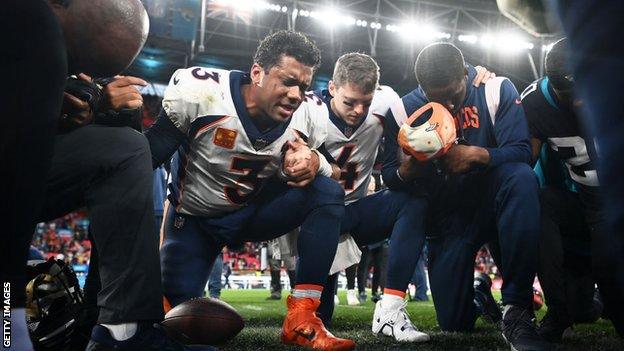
(225, 160)
(355, 149)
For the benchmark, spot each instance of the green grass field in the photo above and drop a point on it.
(263, 320)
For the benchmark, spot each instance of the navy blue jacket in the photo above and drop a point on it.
(501, 127)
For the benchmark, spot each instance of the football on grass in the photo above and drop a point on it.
(203, 321)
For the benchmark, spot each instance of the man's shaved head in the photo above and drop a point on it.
(103, 36)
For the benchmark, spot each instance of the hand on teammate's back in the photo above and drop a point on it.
(483, 75)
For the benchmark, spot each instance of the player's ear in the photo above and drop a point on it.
(332, 88)
(256, 74)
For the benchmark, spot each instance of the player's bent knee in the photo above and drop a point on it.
(325, 191)
(520, 176)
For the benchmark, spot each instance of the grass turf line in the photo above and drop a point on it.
(263, 321)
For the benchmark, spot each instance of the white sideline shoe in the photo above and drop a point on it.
(352, 298)
(391, 319)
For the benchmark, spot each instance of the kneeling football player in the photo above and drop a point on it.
(233, 133)
(356, 106)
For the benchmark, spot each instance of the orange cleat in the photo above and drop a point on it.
(303, 327)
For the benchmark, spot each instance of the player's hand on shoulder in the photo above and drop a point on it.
(300, 163)
(483, 75)
(122, 93)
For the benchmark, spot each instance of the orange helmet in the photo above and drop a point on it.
(428, 133)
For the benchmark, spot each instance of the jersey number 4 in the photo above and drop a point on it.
(250, 169)
(348, 170)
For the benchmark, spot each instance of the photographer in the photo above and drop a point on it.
(103, 164)
(42, 42)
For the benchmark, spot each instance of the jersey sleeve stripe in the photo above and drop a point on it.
(202, 124)
(492, 96)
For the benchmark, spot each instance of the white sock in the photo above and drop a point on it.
(388, 300)
(122, 331)
(314, 293)
(20, 339)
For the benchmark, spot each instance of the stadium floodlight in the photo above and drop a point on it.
(468, 38)
(408, 31)
(512, 43)
(505, 43)
(361, 23)
(487, 41)
(547, 47)
(348, 20)
(261, 5)
(251, 4)
(244, 4)
(332, 17)
(392, 28)
(411, 31)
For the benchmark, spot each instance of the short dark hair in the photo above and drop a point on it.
(559, 75)
(358, 69)
(438, 65)
(288, 43)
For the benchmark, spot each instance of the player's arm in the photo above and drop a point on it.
(397, 174)
(310, 122)
(164, 139)
(173, 123)
(462, 158)
(335, 169)
(510, 129)
(533, 118)
(536, 137)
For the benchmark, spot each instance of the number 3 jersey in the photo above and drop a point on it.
(355, 148)
(226, 159)
(558, 127)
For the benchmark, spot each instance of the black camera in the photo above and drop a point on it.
(93, 94)
(89, 92)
